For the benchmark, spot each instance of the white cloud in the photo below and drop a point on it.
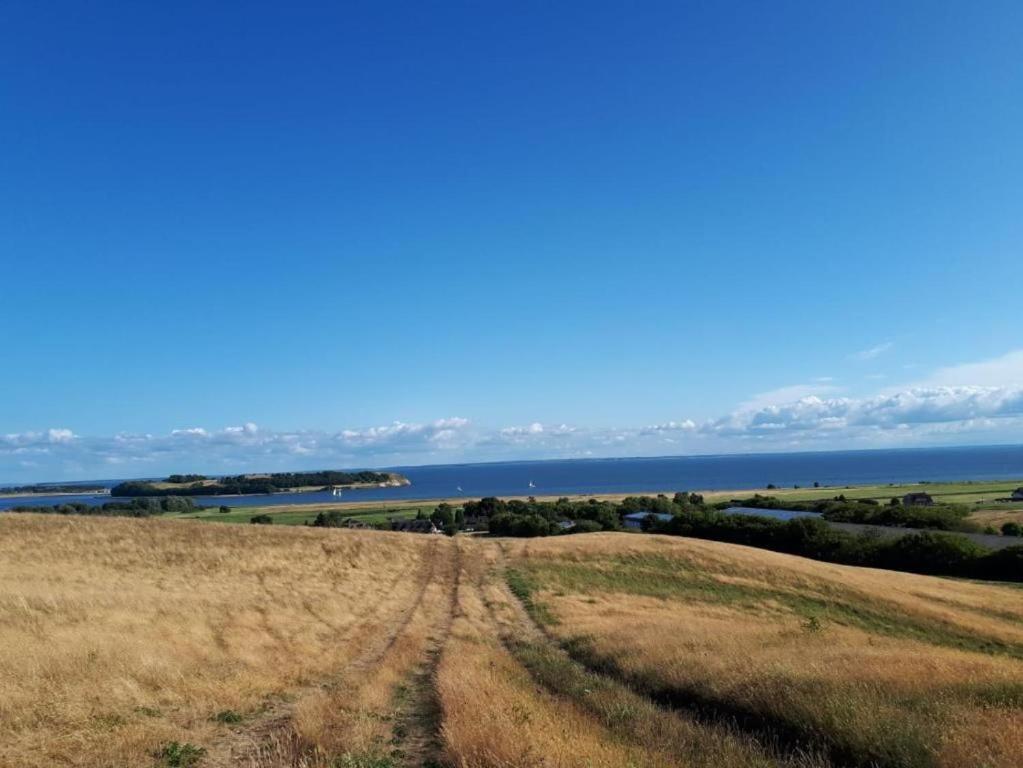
(536, 435)
(920, 405)
(872, 352)
(787, 395)
(536, 428)
(40, 442)
(686, 425)
(1003, 371)
(247, 429)
(403, 435)
(974, 402)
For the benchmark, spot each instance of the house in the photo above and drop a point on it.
(414, 526)
(566, 525)
(634, 520)
(917, 500)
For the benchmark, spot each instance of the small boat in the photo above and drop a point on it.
(458, 488)
(532, 484)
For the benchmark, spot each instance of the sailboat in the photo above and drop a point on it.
(532, 484)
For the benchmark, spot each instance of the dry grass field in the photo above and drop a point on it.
(147, 643)
(998, 517)
(872, 667)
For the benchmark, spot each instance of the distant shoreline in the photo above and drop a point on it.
(866, 490)
(263, 484)
(34, 494)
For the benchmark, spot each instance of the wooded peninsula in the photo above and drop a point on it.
(238, 485)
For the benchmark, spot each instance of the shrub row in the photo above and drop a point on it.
(940, 517)
(927, 552)
(133, 508)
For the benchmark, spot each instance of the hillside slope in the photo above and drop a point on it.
(158, 643)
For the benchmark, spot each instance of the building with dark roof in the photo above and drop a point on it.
(414, 526)
(917, 500)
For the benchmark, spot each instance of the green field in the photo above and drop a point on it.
(963, 492)
(300, 514)
(982, 496)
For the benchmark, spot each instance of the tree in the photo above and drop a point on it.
(175, 504)
(443, 515)
(585, 526)
(261, 520)
(1012, 529)
(331, 519)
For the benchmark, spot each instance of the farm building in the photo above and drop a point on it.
(634, 520)
(414, 526)
(917, 500)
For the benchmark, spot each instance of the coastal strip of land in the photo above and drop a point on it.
(989, 507)
(258, 484)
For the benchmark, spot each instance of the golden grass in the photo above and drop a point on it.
(297, 647)
(118, 635)
(996, 518)
(495, 714)
(752, 630)
(356, 717)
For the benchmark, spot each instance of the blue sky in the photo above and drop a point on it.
(289, 235)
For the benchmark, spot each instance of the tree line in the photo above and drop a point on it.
(937, 551)
(134, 508)
(247, 484)
(45, 489)
(928, 552)
(939, 517)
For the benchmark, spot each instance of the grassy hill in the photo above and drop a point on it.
(172, 643)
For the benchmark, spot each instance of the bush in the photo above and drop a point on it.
(261, 520)
(224, 509)
(1012, 529)
(175, 504)
(933, 553)
(927, 552)
(1002, 565)
(528, 526)
(128, 508)
(332, 519)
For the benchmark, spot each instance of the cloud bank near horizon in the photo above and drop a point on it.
(922, 415)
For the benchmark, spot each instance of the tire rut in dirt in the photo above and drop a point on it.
(271, 741)
(417, 724)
